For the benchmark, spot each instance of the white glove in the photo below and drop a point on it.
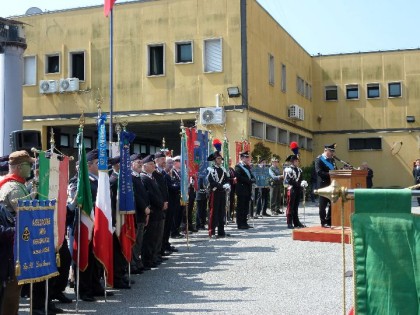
(226, 187)
(288, 170)
(304, 184)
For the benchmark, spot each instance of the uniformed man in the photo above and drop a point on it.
(218, 186)
(151, 245)
(245, 180)
(323, 164)
(293, 178)
(276, 180)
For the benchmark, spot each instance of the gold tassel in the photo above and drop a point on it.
(17, 268)
(57, 259)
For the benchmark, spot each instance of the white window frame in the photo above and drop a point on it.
(163, 59)
(46, 62)
(370, 85)
(205, 62)
(176, 61)
(330, 88)
(271, 76)
(401, 89)
(70, 65)
(34, 70)
(352, 86)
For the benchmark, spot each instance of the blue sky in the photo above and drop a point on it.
(319, 26)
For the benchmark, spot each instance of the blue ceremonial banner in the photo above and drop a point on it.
(202, 152)
(262, 175)
(102, 144)
(34, 241)
(125, 183)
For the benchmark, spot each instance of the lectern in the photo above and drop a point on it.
(350, 179)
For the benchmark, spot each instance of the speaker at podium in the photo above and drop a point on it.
(25, 140)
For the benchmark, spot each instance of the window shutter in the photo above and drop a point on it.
(213, 55)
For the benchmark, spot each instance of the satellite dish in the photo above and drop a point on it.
(33, 10)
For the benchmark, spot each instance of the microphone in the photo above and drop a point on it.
(344, 162)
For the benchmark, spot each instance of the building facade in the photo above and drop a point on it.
(226, 66)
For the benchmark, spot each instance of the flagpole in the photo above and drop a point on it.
(111, 73)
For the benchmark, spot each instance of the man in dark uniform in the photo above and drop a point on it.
(142, 207)
(151, 246)
(219, 187)
(245, 179)
(160, 176)
(323, 164)
(293, 177)
(232, 182)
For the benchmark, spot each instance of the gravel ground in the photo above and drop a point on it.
(255, 271)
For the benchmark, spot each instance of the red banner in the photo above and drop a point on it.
(192, 163)
(241, 146)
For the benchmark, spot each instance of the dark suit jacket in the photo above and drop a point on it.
(322, 171)
(141, 199)
(244, 183)
(155, 197)
(161, 181)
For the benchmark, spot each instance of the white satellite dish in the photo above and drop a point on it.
(33, 10)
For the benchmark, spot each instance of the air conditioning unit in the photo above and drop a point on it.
(296, 112)
(48, 86)
(212, 116)
(69, 85)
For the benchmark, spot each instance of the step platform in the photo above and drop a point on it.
(320, 234)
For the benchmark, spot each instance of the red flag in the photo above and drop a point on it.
(108, 6)
(191, 144)
(127, 235)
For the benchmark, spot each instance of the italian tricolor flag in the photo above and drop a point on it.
(53, 180)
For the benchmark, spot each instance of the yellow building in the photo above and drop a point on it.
(176, 60)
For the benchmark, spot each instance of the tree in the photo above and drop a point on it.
(261, 152)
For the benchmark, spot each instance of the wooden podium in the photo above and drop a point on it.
(349, 179)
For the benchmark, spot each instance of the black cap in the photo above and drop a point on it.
(292, 158)
(4, 166)
(149, 158)
(214, 155)
(244, 154)
(159, 154)
(114, 160)
(135, 156)
(4, 158)
(92, 155)
(262, 160)
(330, 147)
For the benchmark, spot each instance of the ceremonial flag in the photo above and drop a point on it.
(102, 234)
(203, 152)
(192, 143)
(53, 180)
(126, 230)
(108, 6)
(226, 154)
(84, 201)
(184, 168)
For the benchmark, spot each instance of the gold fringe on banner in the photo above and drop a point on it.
(17, 268)
(57, 260)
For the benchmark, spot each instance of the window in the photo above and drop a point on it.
(64, 140)
(352, 92)
(270, 69)
(331, 93)
(52, 63)
(300, 86)
(309, 144)
(283, 78)
(183, 52)
(270, 133)
(213, 55)
(309, 92)
(136, 148)
(373, 90)
(257, 129)
(156, 55)
(394, 89)
(365, 144)
(29, 70)
(302, 142)
(282, 136)
(294, 137)
(77, 65)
